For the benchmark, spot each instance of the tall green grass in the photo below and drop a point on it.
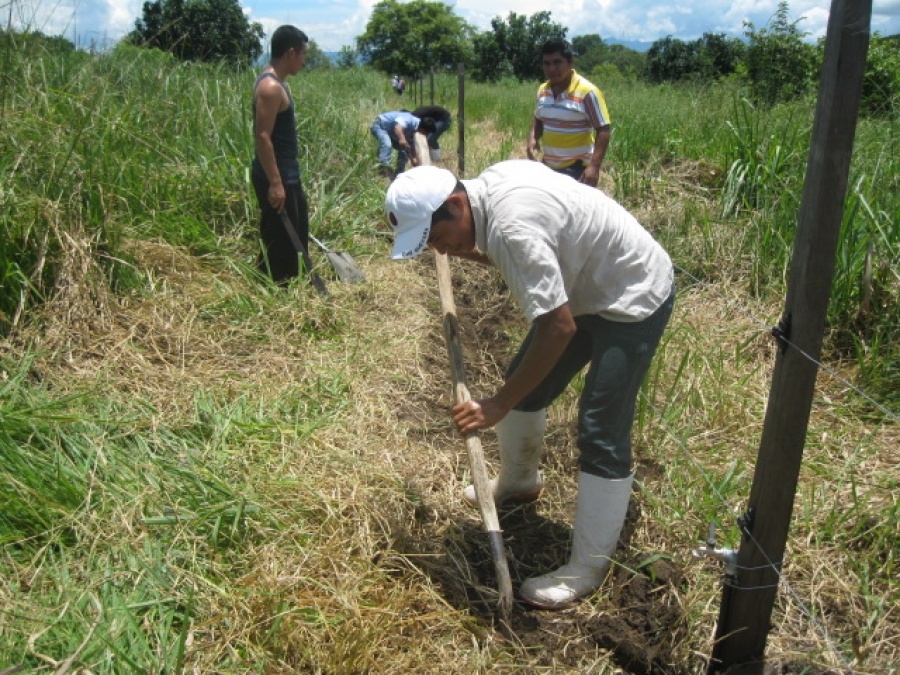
(77, 471)
(135, 144)
(761, 156)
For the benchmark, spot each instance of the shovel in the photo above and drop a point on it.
(314, 278)
(483, 492)
(344, 266)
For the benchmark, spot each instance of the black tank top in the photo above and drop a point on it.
(284, 137)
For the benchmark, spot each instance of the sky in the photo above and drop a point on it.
(335, 23)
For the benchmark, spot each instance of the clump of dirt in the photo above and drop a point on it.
(645, 621)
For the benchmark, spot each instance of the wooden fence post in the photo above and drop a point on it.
(749, 597)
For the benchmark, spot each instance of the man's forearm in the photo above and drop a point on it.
(475, 256)
(552, 335)
(401, 138)
(266, 153)
(534, 135)
(601, 143)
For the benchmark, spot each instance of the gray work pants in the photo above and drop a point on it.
(619, 355)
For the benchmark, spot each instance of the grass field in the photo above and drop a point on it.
(201, 472)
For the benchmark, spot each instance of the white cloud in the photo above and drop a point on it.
(335, 23)
(815, 22)
(82, 21)
(122, 14)
(330, 23)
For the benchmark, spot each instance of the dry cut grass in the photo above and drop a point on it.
(361, 557)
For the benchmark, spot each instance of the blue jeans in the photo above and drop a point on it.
(385, 145)
(619, 355)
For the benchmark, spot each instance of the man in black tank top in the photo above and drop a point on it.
(276, 170)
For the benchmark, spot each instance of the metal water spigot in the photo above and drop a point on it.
(727, 555)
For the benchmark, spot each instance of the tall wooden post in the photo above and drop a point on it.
(748, 600)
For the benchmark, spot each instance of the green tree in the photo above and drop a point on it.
(671, 59)
(513, 46)
(607, 73)
(712, 56)
(315, 57)
(348, 57)
(593, 55)
(590, 52)
(630, 62)
(410, 38)
(719, 55)
(199, 30)
(490, 63)
(881, 83)
(780, 66)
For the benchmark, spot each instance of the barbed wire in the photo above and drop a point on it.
(818, 626)
(776, 567)
(767, 326)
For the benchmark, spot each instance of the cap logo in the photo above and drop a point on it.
(393, 220)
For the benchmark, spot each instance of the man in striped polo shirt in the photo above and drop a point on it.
(571, 118)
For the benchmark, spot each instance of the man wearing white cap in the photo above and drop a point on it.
(598, 290)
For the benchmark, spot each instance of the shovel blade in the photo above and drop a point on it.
(345, 267)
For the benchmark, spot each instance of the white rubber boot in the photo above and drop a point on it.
(601, 511)
(521, 439)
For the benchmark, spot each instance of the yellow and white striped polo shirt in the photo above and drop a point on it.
(570, 121)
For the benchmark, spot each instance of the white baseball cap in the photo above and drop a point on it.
(410, 202)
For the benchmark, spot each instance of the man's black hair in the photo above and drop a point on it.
(427, 125)
(443, 211)
(558, 46)
(285, 38)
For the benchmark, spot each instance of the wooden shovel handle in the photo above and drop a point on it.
(483, 492)
(315, 279)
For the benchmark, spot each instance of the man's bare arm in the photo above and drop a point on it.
(552, 334)
(269, 102)
(591, 173)
(534, 138)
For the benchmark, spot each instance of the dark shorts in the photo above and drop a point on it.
(278, 256)
(573, 170)
(619, 355)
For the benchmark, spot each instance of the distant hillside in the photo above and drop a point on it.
(631, 44)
